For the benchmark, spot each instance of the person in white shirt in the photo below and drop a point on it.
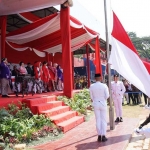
(117, 89)
(99, 95)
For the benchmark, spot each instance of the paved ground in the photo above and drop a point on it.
(140, 142)
(84, 137)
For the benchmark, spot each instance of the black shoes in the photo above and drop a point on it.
(102, 138)
(5, 96)
(119, 120)
(99, 138)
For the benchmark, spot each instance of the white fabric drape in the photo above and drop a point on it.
(39, 53)
(46, 29)
(8, 7)
(38, 32)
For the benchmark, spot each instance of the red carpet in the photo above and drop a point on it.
(48, 105)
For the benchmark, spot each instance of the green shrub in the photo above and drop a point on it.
(80, 101)
(18, 124)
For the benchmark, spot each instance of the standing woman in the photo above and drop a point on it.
(46, 76)
(5, 76)
(22, 69)
(52, 75)
(60, 78)
(38, 75)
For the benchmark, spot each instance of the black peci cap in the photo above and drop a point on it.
(97, 75)
(116, 75)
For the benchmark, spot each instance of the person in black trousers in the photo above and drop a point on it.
(145, 98)
(130, 94)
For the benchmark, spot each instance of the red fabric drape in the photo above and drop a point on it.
(147, 65)
(97, 57)
(48, 57)
(66, 50)
(3, 34)
(88, 65)
(31, 17)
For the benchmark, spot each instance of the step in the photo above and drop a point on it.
(63, 117)
(71, 123)
(55, 111)
(45, 106)
(39, 100)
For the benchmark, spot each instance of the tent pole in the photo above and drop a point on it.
(87, 63)
(111, 109)
(73, 70)
(3, 22)
(66, 50)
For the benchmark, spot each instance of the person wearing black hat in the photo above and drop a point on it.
(117, 89)
(5, 76)
(99, 94)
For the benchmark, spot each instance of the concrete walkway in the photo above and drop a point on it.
(84, 137)
(140, 142)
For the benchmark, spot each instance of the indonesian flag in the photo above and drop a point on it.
(125, 59)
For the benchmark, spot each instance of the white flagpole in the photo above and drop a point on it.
(111, 109)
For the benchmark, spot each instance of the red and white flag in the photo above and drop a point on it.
(125, 59)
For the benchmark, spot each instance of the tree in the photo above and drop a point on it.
(142, 44)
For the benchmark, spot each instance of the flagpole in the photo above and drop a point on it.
(111, 109)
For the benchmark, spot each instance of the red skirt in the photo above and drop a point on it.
(52, 75)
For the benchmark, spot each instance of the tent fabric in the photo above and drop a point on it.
(8, 7)
(125, 59)
(92, 46)
(29, 17)
(44, 35)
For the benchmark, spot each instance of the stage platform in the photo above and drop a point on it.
(13, 99)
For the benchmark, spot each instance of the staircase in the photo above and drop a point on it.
(57, 111)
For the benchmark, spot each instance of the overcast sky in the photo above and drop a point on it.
(133, 14)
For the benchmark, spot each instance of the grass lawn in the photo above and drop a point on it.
(133, 111)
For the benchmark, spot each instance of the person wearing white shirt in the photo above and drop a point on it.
(117, 89)
(99, 95)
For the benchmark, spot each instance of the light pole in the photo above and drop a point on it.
(111, 109)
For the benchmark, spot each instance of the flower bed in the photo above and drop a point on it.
(19, 125)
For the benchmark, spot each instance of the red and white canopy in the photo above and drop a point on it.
(17, 6)
(44, 35)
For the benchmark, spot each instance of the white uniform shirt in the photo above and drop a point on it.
(99, 93)
(117, 89)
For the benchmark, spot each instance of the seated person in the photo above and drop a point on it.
(29, 69)
(85, 83)
(15, 71)
(78, 84)
(22, 69)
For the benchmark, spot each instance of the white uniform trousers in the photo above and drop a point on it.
(118, 106)
(101, 118)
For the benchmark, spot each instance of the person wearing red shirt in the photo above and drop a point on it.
(46, 76)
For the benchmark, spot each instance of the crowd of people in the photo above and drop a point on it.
(133, 94)
(80, 82)
(49, 76)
